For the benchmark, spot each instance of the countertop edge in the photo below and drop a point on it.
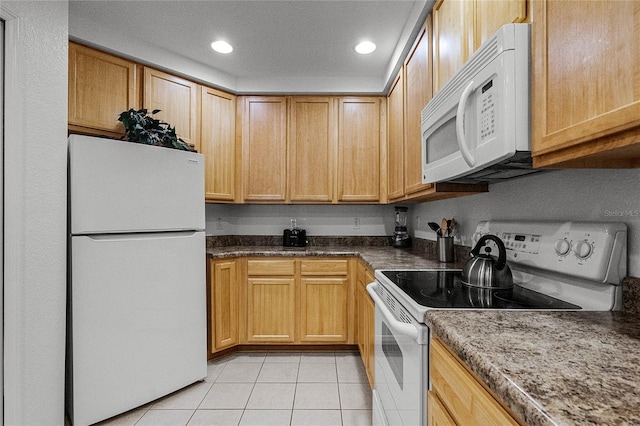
(509, 394)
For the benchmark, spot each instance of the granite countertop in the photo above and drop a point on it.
(560, 368)
(374, 257)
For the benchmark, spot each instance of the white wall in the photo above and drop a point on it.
(319, 220)
(577, 195)
(35, 211)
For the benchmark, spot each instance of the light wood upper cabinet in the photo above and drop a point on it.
(264, 148)
(395, 139)
(409, 94)
(361, 128)
(463, 398)
(492, 14)
(586, 84)
(312, 149)
(224, 303)
(177, 100)
(218, 144)
(461, 26)
(101, 86)
(418, 92)
(452, 38)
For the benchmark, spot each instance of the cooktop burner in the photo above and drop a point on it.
(444, 289)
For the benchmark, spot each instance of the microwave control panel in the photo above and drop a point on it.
(487, 106)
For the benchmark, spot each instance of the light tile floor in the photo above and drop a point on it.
(266, 388)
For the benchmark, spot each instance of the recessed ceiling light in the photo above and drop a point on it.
(221, 46)
(365, 47)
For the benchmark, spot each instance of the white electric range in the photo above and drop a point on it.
(555, 265)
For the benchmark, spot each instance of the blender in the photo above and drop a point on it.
(401, 238)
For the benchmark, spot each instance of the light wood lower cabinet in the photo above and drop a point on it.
(223, 302)
(457, 397)
(324, 301)
(305, 301)
(271, 296)
(365, 317)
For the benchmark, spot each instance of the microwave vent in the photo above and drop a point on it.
(517, 166)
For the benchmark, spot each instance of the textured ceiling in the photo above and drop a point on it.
(303, 41)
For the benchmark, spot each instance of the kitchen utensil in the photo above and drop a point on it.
(450, 227)
(443, 227)
(435, 227)
(482, 270)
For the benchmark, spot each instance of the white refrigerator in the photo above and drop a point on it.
(136, 326)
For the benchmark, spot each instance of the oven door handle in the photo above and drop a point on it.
(397, 326)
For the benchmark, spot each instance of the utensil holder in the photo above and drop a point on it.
(446, 252)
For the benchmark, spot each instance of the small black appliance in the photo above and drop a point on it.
(401, 238)
(294, 237)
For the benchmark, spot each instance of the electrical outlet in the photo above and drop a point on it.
(418, 222)
(293, 222)
(218, 223)
(356, 223)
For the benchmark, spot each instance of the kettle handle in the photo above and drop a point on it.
(502, 251)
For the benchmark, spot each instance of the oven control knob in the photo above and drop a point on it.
(562, 247)
(582, 249)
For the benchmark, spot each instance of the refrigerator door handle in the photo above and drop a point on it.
(138, 236)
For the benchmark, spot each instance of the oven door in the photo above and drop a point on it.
(401, 368)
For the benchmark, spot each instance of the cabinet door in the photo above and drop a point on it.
(359, 142)
(323, 309)
(312, 148)
(224, 304)
(492, 14)
(418, 83)
(177, 100)
(218, 144)
(452, 38)
(461, 393)
(101, 86)
(395, 139)
(271, 309)
(586, 84)
(365, 321)
(264, 148)
(437, 414)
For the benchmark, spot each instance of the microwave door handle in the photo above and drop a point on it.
(397, 326)
(462, 141)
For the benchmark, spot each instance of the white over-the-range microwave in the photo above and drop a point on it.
(476, 129)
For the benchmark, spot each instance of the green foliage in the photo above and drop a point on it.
(142, 128)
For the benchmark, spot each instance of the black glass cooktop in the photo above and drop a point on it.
(444, 289)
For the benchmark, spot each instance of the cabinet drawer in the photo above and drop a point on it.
(464, 397)
(324, 267)
(271, 267)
